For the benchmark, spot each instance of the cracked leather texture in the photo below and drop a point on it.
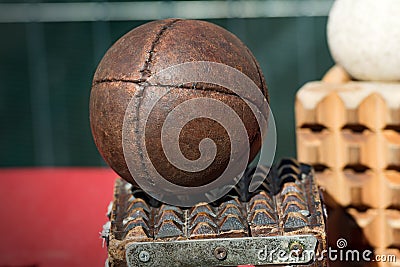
(146, 50)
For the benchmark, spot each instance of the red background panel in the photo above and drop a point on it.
(52, 217)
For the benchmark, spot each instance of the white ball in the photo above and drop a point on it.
(364, 37)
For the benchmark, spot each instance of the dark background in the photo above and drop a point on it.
(46, 70)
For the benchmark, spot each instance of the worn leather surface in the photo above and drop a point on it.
(123, 74)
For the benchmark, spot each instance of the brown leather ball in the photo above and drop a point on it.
(123, 74)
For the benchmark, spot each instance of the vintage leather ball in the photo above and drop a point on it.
(123, 74)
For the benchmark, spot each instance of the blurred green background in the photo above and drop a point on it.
(47, 61)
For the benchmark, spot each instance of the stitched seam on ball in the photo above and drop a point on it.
(145, 74)
(145, 70)
(177, 86)
(183, 87)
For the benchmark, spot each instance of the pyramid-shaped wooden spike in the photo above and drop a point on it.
(371, 223)
(316, 148)
(391, 150)
(391, 189)
(392, 222)
(372, 111)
